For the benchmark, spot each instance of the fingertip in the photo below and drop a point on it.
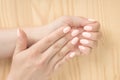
(84, 50)
(93, 26)
(91, 35)
(74, 40)
(71, 54)
(86, 34)
(66, 29)
(88, 28)
(91, 20)
(21, 34)
(21, 43)
(75, 32)
(84, 41)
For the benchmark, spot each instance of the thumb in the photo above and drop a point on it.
(21, 43)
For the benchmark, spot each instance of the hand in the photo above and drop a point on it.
(88, 31)
(88, 38)
(38, 33)
(40, 60)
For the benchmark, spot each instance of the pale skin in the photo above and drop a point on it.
(8, 36)
(72, 36)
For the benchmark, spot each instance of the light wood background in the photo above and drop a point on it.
(102, 64)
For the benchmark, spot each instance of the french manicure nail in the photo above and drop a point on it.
(81, 47)
(88, 28)
(84, 41)
(75, 32)
(66, 30)
(72, 54)
(86, 34)
(74, 40)
(92, 20)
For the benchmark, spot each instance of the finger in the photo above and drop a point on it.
(21, 41)
(92, 27)
(81, 21)
(58, 64)
(63, 52)
(55, 48)
(73, 21)
(88, 43)
(84, 50)
(46, 42)
(91, 35)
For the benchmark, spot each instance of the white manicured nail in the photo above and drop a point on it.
(92, 20)
(84, 41)
(74, 40)
(88, 28)
(81, 47)
(72, 54)
(67, 29)
(75, 32)
(86, 34)
(84, 50)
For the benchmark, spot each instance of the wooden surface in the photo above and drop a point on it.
(102, 64)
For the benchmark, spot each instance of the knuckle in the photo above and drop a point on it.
(94, 44)
(69, 46)
(58, 34)
(96, 36)
(66, 38)
(48, 40)
(98, 25)
(57, 46)
(61, 54)
(64, 51)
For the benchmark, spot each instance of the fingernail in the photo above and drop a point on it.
(88, 28)
(81, 47)
(84, 50)
(84, 41)
(72, 54)
(74, 40)
(86, 34)
(92, 20)
(66, 30)
(75, 32)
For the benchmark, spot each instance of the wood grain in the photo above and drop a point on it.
(102, 64)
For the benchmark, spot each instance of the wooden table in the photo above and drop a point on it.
(102, 64)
